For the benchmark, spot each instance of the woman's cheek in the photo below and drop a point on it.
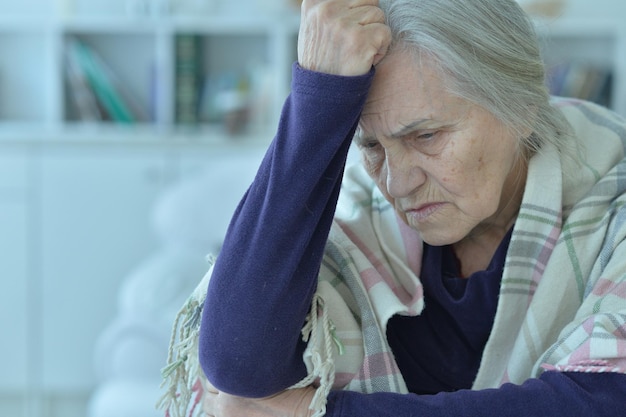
(373, 162)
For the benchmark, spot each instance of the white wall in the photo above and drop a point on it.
(595, 8)
(579, 8)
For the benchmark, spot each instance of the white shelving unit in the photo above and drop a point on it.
(35, 99)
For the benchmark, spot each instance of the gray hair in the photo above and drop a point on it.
(490, 54)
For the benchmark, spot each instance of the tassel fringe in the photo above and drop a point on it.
(181, 375)
(321, 353)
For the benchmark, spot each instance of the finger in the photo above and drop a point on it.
(384, 42)
(368, 14)
(208, 387)
(209, 398)
(378, 41)
(334, 7)
(209, 403)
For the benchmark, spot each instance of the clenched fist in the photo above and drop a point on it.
(342, 37)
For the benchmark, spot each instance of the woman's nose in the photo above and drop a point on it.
(404, 174)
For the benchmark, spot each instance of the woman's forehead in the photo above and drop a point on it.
(401, 84)
(403, 114)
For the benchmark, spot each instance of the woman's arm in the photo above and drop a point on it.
(264, 278)
(263, 281)
(553, 394)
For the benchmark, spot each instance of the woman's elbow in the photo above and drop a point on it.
(239, 371)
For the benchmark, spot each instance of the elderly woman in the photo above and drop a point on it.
(473, 265)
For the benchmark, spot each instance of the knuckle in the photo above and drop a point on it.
(385, 33)
(377, 14)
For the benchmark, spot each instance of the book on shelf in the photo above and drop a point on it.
(84, 99)
(188, 78)
(97, 91)
(581, 80)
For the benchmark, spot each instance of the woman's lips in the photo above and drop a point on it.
(422, 212)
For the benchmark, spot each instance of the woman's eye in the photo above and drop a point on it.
(372, 153)
(425, 136)
(429, 143)
(369, 145)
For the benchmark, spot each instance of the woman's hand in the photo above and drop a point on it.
(289, 403)
(342, 37)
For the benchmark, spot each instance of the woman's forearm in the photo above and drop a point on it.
(554, 394)
(264, 278)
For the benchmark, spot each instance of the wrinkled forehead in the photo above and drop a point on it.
(405, 92)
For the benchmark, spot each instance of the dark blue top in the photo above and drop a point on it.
(440, 350)
(265, 276)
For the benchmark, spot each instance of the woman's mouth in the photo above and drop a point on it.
(422, 212)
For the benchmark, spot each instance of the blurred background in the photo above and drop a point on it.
(128, 131)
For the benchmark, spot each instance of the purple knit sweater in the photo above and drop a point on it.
(266, 274)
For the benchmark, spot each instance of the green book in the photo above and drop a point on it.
(99, 78)
(188, 78)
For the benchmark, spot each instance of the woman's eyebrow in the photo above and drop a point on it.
(400, 133)
(410, 128)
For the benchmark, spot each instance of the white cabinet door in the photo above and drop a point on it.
(13, 296)
(96, 226)
(13, 273)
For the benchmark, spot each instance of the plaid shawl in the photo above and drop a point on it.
(562, 303)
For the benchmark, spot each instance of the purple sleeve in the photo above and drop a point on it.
(553, 394)
(265, 276)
